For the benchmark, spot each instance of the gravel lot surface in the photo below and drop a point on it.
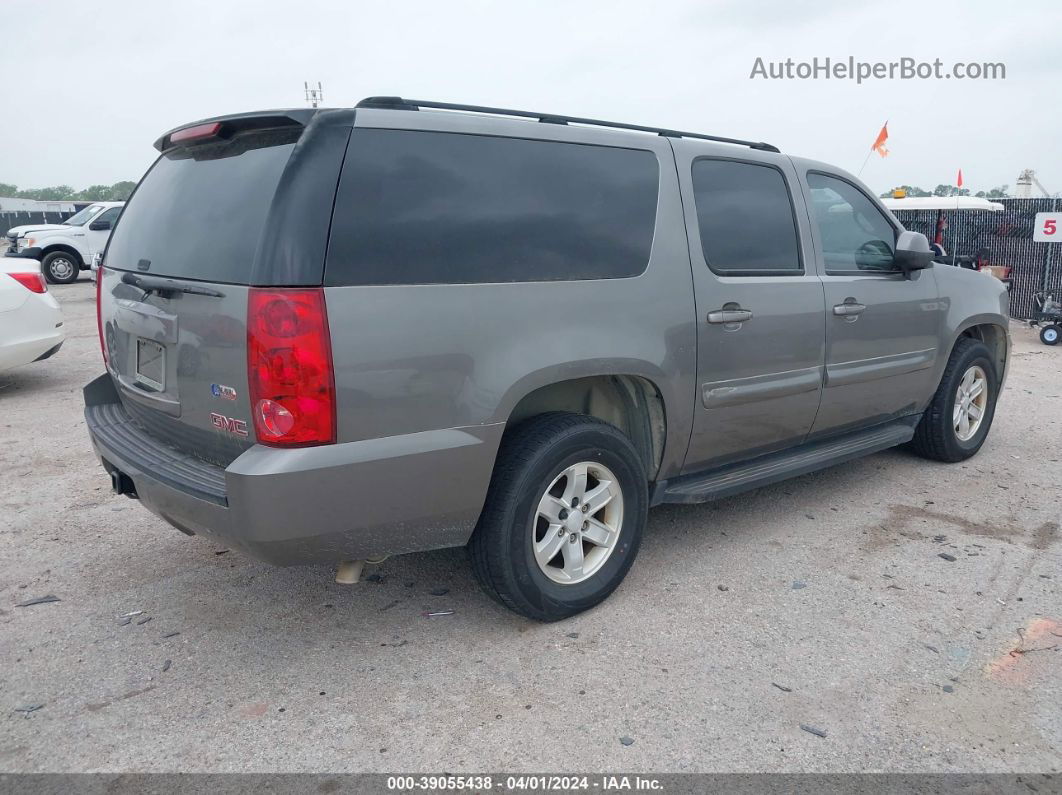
(823, 601)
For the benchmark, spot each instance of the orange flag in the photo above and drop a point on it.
(958, 182)
(879, 142)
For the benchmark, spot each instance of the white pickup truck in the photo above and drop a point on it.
(66, 249)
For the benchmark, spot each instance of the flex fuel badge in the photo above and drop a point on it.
(222, 391)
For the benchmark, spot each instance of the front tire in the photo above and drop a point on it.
(1049, 334)
(564, 516)
(957, 420)
(59, 267)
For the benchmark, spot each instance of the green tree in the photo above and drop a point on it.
(909, 190)
(54, 193)
(94, 193)
(120, 191)
(995, 193)
(950, 190)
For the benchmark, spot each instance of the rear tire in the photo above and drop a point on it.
(529, 551)
(60, 267)
(943, 434)
(1049, 334)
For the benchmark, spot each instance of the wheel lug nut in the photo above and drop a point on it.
(573, 538)
(585, 507)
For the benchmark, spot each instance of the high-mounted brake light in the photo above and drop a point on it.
(33, 281)
(289, 367)
(99, 314)
(198, 131)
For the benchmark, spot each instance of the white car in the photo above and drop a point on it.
(66, 249)
(31, 322)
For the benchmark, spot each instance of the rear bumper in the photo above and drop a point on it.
(48, 354)
(317, 504)
(36, 331)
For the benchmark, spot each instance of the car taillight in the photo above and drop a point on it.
(99, 314)
(33, 281)
(289, 367)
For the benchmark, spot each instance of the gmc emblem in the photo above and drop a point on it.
(230, 424)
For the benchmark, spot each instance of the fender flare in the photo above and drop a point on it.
(49, 248)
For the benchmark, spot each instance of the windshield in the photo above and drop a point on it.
(81, 218)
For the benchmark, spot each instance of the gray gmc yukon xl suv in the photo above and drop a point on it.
(335, 335)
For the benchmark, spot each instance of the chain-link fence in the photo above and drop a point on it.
(1008, 239)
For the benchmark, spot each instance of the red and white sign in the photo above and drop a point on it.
(1048, 228)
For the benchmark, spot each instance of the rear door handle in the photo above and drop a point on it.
(721, 316)
(848, 310)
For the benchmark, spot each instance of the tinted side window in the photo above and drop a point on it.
(745, 217)
(855, 235)
(110, 215)
(435, 208)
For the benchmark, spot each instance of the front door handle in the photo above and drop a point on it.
(722, 316)
(849, 309)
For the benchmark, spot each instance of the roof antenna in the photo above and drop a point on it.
(314, 96)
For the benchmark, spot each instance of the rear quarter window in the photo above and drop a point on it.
(434, 208)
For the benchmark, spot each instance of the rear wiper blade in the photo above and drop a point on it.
(157, 284)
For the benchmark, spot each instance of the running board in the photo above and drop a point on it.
(775, 467)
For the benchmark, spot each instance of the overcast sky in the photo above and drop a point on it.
(89, 85)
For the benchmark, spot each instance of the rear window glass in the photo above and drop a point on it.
(200, 211)
(432, 208)
(745, 217)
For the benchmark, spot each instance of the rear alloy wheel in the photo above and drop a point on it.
(578, 522)
(60, 267)
(957, 420)
(1049, 334)
(563, 518)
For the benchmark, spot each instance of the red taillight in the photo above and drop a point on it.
(289, 367)
(34, 281)
(99, 314)
(198, 131)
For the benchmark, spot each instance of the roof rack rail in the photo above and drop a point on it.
(398, 103)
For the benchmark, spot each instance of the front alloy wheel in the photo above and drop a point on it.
(958, 418)
(971, 401)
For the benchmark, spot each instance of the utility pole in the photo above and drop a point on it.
(314, 96)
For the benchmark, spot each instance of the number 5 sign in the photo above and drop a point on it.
(1048, 228)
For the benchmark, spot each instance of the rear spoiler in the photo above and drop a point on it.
(226, 126)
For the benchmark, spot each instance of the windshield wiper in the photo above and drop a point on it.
(157, 284)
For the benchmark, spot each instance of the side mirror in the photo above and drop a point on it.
(100, 226)
(913, 252)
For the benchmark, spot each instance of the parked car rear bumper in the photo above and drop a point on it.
(317, 504)
(33, 330)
